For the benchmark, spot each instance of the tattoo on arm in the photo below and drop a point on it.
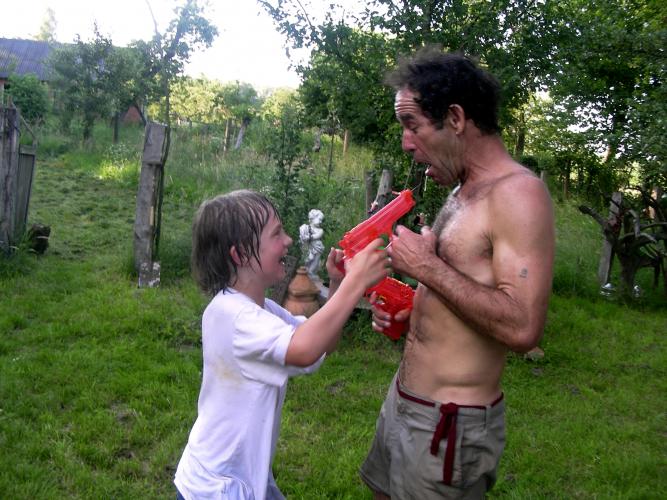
(523, 273)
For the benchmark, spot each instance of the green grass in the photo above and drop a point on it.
(99, 379)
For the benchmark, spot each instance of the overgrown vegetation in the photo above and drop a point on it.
(99, 379)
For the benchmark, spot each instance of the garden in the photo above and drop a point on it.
(99, 377)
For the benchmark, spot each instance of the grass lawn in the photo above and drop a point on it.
(99, 379)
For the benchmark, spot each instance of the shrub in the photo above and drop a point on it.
(30, 96)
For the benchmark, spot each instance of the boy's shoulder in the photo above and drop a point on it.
(234, 301)
(232, 304)
(229, 302)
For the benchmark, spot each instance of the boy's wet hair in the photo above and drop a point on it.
(235, 219)
(441, 79)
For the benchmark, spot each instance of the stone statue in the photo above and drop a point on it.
(310, 236)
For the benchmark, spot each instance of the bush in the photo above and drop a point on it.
(30, 96)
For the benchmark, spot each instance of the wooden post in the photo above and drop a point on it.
(604, 267)
(9, 166)
(368, 181)
(384, 189)
(331, 148)
(228, 133)
(152, 170)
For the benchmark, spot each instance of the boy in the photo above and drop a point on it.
(251, 345)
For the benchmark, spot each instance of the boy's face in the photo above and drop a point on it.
(273, 246)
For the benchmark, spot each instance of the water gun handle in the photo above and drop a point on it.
(393, 296)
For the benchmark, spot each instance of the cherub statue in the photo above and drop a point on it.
(310, 236)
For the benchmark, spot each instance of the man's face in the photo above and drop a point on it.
(440, 149)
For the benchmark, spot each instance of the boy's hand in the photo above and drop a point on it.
(382, 319)
(370, 265)
(333, 260)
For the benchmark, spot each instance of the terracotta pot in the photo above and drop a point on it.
(302, 295)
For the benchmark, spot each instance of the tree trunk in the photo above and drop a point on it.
(116, 127)
(346, 139)
(520, 145)
(87, 130)
(566, 182)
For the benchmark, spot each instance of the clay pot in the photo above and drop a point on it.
(302, 295)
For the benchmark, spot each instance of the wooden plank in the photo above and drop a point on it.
(26, 172)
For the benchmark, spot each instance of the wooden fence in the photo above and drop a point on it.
(17, 166)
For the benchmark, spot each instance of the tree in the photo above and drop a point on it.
(165, 56)
(92, 78)
(603, 63)
(341, 83)
(507, 36)
(47, 30)
(274, 103)
(609, 73)
(557, 143)
(242, 104)
(195, 100)
(286, 146)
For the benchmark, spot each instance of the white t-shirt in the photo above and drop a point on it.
(231, 445)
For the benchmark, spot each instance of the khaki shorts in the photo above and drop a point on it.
(425, 449)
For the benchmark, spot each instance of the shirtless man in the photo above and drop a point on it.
(484, 274)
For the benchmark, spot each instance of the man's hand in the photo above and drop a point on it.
(408, 250)
(382, 319)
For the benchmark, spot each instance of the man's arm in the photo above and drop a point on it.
(514, 310)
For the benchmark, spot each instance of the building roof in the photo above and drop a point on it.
(24, 57)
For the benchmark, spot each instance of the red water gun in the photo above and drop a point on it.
(392, 295)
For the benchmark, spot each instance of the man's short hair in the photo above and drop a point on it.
(235, 219)
(441, 79)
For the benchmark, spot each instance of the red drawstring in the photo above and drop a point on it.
(446, 428)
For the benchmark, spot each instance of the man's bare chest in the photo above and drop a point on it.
(465, 236)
